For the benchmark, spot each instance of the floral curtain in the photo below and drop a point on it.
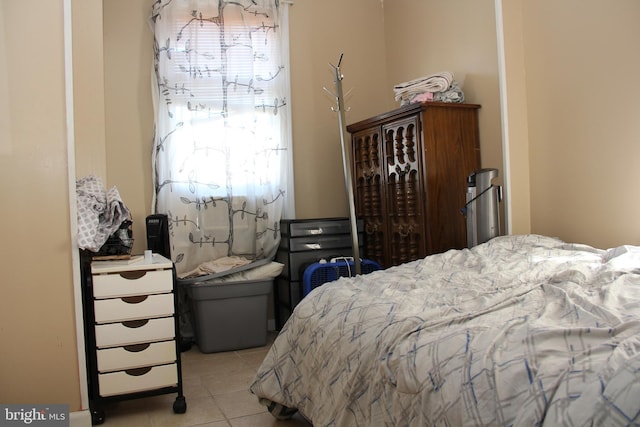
(221, 151)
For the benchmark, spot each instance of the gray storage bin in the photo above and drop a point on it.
(230, 315)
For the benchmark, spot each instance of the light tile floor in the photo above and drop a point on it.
(216, 388)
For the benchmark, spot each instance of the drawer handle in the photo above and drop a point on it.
(132, 275)
(137, 348)
(136, 372)
(135, 323)
(135, 299)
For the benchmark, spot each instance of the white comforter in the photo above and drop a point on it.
(522, 330)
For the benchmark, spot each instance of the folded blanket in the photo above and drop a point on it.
(100, 212)
(438, 82)
(215, 266)
(262, 272)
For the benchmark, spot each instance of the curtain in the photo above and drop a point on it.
(221, 152)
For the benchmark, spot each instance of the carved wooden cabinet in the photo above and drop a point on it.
(410, 167)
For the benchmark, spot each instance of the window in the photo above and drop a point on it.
(221, 152)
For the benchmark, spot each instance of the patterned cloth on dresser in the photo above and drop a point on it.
(100, 212)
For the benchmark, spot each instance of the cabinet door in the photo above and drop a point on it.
(451, 153)
(404, 192)
(369, 191)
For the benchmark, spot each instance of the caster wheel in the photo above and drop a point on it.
(185, 346)
(97, 417)
(180, 405)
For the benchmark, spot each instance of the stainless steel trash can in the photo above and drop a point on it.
(482, 207)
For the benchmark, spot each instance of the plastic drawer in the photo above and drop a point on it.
(136, 355)
(316, 227)
(132, 283)
(316, 243)
(134, 332)
(133, 307)
(140, 379)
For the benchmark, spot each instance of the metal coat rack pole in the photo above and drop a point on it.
(346, 163)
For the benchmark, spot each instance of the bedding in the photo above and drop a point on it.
(521, 330)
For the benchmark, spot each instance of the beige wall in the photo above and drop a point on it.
(89, 90)
(128, 56)
(580, 59)
(356, 30)
(428, 36)
(38, 355)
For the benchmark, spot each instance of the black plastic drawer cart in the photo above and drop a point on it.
(303, 242)
(131, 331)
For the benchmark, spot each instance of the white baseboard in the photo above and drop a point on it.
(80, 419)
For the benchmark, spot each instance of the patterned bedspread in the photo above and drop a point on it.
(522, 330)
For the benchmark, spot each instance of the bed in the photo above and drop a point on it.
(521, 330)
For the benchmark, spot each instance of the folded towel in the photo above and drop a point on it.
(453, 94)
(422, 97)
(438, 82)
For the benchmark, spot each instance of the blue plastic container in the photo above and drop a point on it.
(319, 273)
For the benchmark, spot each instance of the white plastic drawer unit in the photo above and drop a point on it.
(138, 379)
(129, 283)
(131, 325)
(136, 356)
(134, 332)
(133, 307)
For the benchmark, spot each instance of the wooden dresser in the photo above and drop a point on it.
(410, 168)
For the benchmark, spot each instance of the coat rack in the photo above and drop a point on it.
(346, 163)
